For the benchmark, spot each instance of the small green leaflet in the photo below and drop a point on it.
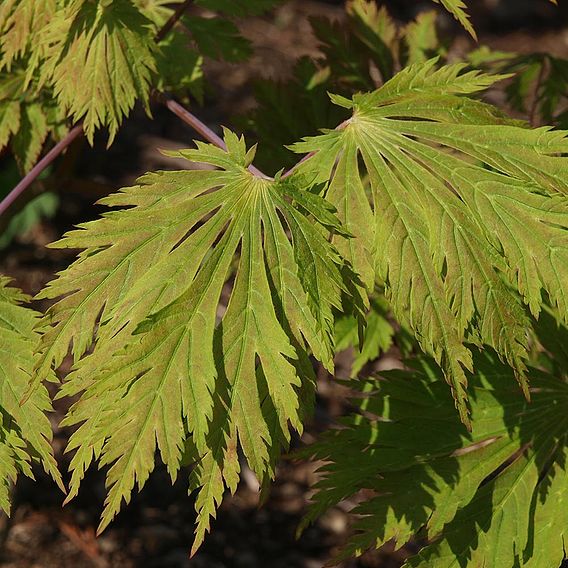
(26, 119)
(492, 497)
(182, 362)
(377, 335)
(25, 431)
(449, 226)
(458, 9)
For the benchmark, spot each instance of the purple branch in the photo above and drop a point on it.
(31, 176)
(206, 132)
(200, 127)
(172, 21)
(289, 172)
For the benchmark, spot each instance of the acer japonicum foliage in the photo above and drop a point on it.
(201, 301)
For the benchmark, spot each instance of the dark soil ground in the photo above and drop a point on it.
(155, 530)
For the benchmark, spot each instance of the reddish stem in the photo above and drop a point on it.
(172, 21)
(206, 132)
(32, 175)
(289, 172)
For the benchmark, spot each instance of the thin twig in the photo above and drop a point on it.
(172, 21)
(197, 125)
(289, 172)
(39, 167)
(206, 132)
(536, 98)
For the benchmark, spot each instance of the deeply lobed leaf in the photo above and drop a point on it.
(182, 364)
(452, 226)
(490, 497)
(99, 58)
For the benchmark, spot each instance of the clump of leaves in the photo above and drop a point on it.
(492, 496)
(424, 221)
(111, 50)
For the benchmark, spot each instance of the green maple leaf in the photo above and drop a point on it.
(452, 225)
(20, 22)
(25, 432)
(99, 57)
(377, 335)
(174, 369)
(494, 496)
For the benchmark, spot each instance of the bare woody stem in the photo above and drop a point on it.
(202, 129)
(32, 175)
(163, 32)
(535, 100)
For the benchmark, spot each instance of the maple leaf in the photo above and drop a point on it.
(494, 496)
(453, 227)
(173, 369)
(99, 57)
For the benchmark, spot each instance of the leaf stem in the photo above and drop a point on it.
(536, 98)
(202, 129)
(289, 172)
(163, 32)
(32, 175)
